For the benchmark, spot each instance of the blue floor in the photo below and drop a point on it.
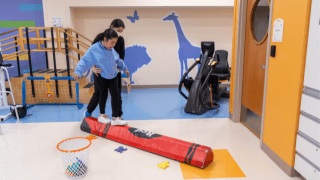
(139, 104)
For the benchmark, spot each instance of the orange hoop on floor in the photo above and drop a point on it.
(89, 138)
(74, 154)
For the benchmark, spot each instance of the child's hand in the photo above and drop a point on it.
(75, 76)
(96, 70)
(127, 73)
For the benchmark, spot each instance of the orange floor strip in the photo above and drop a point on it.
(223, 166)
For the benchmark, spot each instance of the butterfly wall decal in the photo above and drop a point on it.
(134, 17)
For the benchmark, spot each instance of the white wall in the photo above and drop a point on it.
(59, 7)
(199, 23)
(160, 37)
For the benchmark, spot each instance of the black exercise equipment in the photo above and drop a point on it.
(205, 89)
(221, 73)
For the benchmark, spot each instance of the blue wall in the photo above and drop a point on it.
(22, 10)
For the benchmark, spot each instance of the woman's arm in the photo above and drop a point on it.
(122, 66)
(120, 47)
(119, 61)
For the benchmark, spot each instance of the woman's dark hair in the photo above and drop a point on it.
(108, 33)
(117, 23)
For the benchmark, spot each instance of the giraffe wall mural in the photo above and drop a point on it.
(186, 49)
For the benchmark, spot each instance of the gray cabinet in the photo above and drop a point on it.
(307, 158)
(312, 70)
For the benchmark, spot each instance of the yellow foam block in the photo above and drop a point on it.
(222, 166)
(163, 165)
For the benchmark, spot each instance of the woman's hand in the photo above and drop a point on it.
(96, 70)
(127, 73)
(75, 76)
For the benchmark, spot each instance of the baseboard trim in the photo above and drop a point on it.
(161, 86)
(230, 116)
(152, 86)
(290, 171)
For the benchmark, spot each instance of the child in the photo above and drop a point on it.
(102, 55)
(118, 25)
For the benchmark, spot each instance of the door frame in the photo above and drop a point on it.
(241, 33)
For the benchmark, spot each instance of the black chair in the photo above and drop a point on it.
(1, 62)
(221, 73)
(1, 59)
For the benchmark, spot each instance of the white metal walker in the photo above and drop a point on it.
(3, 91)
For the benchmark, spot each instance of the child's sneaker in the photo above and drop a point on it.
(117, 121)
(104, 119)
(86, 114)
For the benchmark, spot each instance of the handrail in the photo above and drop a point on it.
(58, 39)
(9, 48)
(8, 43)
(44, 28)
(77, 39)
(16, 54)
(9, 58)
(38, 39)
(9, 38)
(6, 55)
(31, 31)
(15, 36)
(9, 31)
(77, 50)
(82, 36)
(73, 42)
(81, 44)
(67, 39)
(70, 56)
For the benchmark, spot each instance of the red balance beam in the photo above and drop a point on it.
(186, 152)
